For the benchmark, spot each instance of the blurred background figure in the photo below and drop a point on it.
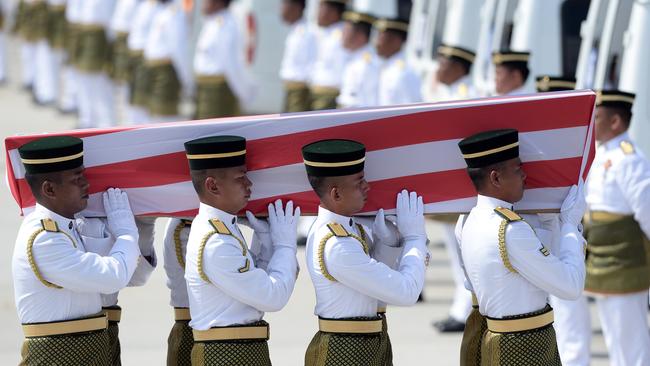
(510, 72)
(119, 57)
(69, 98)
(453, 78)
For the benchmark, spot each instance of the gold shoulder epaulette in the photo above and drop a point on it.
(220, 227)
(507, 214)
(338, 230)
(627, 147)
(367, 56)
(50, 225)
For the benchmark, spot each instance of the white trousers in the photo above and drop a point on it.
(46, 85)
(3, 57)
(462, 302)
(625, 329)
(573, 330)
(69, 87)
(96, 106)
(28, 55)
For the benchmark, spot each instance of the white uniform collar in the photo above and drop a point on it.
(492, 203)
(328, 217)
(361, 50)
(394, 58)
(615, 143)
(519, 91)
(215, 213)
(64, 223)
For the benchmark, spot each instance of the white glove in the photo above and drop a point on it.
(410, 215)
(283, 225)
(574, 205)
(384, 231)
(118, 213)
(259, 226)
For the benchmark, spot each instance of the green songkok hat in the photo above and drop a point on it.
(490, 147)
(52, 154)
(216, 152)
(334, 158)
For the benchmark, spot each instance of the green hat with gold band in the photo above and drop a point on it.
(398, 25)
(216, 152)
(357, 17)
(507, 57)
(615, 99)
(490, 147)
(52, 154)
(334, 158)
(546, 83)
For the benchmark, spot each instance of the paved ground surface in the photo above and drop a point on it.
(147, 317)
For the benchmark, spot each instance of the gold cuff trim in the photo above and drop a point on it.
(334, 165)
(519, 325)
(182, 314)
(450, 51)
(52, 160)
(113, 315)
(231, 333)
(65, 327)
(491, 151)
(215, 156)
(350, 326)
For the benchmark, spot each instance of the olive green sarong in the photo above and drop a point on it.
(164, 88)
(297, 98)
(249, 352)
(617, 255)
(56, 26)
(535, 347)
(323, 98)
(139, 81)
(214, 98)
(120, 58)
(72, 43)
(386, 348)
(470, 347)
(350, 349)
(179, 344)
(94, 49)
(34, 21)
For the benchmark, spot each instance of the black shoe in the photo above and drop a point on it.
(421, 297)
(449, 325)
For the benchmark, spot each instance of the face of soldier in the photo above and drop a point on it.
(352, 39)
(327, 14)
(212, 6)
(69, 194)
(349, 193)
(608, 124)
(448, 70)
(291, 11)
(506, 79)
(388, 43)
(231, 188)
(510, 180)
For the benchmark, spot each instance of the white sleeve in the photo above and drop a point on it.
(264, 290)
(633, 177)
(148, 260)
(179, 34)
(174, 261)
(234, 67)
(62, 264)
(561, 274)
(458, 231)
(349, 264)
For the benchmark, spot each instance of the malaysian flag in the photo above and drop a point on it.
(412, 147)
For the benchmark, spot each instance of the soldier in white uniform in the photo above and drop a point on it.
(453, 82)
(331, 57)
(167, 62)
(57, 282)
(119, 61)
(229, 285)
(223, 87)
(509, 268)
(69, 100)
(510, 72)
(617, 226)
(398, 81)
(180, 341)
(137, 111)
(359, 84)
(299, 55)
(95, 87)
(353, 272)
